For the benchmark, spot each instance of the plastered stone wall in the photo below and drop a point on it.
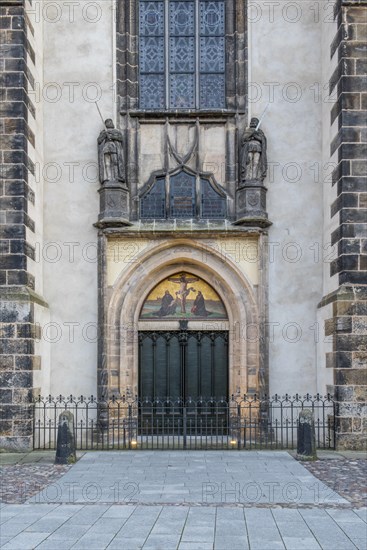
(328, 251)
(125, 252)
(41, 364)
(284, 66)
(329, 161)
(78, 69)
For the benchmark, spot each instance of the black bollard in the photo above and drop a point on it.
(306, 441)
(65, 450)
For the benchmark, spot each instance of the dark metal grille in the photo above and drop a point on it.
(236, 423)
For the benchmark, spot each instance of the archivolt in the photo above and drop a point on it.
(161, 261)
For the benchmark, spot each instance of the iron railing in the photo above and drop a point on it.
(247, 422)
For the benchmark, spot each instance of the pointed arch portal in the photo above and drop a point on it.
(183, 364)
(151, 346)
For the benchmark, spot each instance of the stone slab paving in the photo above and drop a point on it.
(185, 501)
(189, 477)
(129, 527)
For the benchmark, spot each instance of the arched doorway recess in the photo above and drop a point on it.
(123, 302)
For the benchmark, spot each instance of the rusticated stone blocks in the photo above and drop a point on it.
(348, 326)
(349, 361)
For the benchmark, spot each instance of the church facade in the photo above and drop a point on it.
(184, 203)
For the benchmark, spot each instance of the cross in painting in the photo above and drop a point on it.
(184, 291)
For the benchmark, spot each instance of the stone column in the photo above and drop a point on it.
(348, 325)
(17, 227)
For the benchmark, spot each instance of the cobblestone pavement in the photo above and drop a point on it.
(345, 476)
(19, 482)
(185, 501)
(23, 475)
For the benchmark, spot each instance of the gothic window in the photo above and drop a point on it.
(153, 204)
(212, 204)
(187, 197)
(182, 54)
(182, 196)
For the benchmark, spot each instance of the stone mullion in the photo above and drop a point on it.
(241, 54)
(127, 55)
(127, 86)
(263, 300)
(104, 330)
(121, 54)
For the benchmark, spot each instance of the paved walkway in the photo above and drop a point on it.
(187, 501)
(194, 477)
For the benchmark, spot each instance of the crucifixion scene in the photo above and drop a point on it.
(183, 296)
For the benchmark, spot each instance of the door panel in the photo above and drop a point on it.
(160, 367)
(182, 377)
(183, 365)
(173, 368)
(193, 368)
(146, 367)
(221, 374)
(206, 379)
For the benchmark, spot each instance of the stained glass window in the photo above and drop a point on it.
(182, 196)
(182, 199)
(153, 204)
(182, 54)
(213, 205)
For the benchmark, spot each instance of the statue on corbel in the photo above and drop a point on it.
(114, 192)
(253, 154)
(251, 191)
(111, 160)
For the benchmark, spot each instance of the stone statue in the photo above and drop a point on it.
(110, 154)
(253, 154)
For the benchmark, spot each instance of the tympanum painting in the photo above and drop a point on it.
(183, 296)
